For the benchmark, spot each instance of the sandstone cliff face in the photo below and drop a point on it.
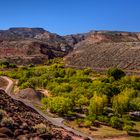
(31, 45)
(74, 38)
(105, 49)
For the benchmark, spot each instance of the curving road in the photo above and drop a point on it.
(55, 121)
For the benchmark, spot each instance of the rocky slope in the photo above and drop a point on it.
(19, 122)
(104, 49)
(31, 45)
(96, 49)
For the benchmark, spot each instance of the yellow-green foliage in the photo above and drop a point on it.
(97, 104)
(121, 102)
(82, 91)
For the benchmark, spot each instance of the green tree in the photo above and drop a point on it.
(135, 103)
(121, 102)
(60, 105)
(116, 73)
(82, 101)
(97, 104)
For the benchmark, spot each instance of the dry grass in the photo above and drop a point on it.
(105, 132)
(99, 133)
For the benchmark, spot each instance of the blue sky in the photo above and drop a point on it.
(71, 16)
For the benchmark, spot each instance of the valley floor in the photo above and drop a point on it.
(59, 85)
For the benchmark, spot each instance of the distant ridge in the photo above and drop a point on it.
(95, 49)
(105, 49)
(31, 45)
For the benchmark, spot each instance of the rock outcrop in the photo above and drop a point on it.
(31, 45)
(19, 122)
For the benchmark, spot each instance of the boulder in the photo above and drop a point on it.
(6, 131)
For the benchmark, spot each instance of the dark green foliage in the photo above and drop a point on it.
(6, 64)
(116, 73)
(116, 122)
(103, 118)
(87, 71)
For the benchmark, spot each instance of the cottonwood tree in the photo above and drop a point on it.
(97, 104)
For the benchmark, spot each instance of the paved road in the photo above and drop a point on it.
(55, 121)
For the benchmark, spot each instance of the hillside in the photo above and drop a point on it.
(19, 122)
(96, 49)
(104, 49)
(31, 45)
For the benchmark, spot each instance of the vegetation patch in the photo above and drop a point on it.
(89, 99)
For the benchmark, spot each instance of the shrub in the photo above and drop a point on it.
(70, 72)
(44, 101)
(64, 87)
(84, 79)
(87, 123)
(41, 128)
(103, 118)
(127, 128)
(13, 65)
(31, 65)
(91, 118)
(2, 114)
(6, 64)
(116, 73)
(116, 122)
(8, 122)
(26, 85)
(87, 71)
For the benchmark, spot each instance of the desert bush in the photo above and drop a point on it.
(2, 114)
(103, 118)
(8, 122)
(116, 122)
(87, 123)
(127, 128)
(27, 85)
(87, 71)
(40, 128)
